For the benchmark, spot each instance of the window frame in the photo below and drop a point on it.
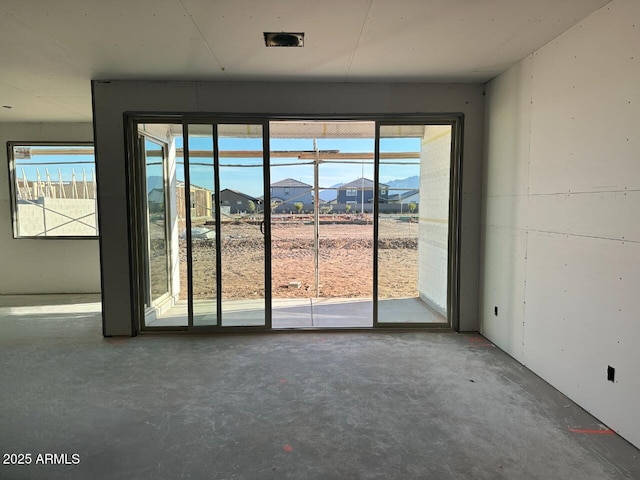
(13, 198)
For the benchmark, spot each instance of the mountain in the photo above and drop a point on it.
(404, 184)
(328, 195)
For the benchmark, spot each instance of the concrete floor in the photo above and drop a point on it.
(363, 405)
(303, 313)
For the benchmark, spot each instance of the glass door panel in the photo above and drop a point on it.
(242, 226)
(157, 218)
(162, 202)
(322, 223)
(345, 225)
(413, 223)
(204, 252)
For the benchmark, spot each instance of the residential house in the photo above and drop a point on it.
(353, 192)
(238, 201)
(290, 191)
(409, 196)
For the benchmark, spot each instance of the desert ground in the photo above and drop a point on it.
(345, 259)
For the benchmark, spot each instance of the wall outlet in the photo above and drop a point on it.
(495, 311)
(611, 374)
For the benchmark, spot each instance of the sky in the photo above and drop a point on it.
(245, 174)
(66, 163)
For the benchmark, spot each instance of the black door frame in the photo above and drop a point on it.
(132, 119)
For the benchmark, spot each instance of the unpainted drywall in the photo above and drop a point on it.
(31, 266)
(560, 241)
(113, 99)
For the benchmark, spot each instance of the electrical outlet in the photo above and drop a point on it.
(495, 311)
(611, 374)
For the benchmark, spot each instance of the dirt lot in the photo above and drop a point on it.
(345, 260)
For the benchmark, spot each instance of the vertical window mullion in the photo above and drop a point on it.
(218, 217)
(187, 204)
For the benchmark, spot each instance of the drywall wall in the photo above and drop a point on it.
(113, 98)
(32, 266)
(560, 241)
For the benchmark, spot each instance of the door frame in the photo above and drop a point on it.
(455, 211)
(132, 119)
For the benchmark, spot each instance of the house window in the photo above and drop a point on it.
(53, 190)
(383, 191)
(287, 190)
(352, 193)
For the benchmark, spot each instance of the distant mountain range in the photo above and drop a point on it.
(402, 185)
(328, 195)
(398, 186)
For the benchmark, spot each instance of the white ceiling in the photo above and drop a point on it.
(51, 49)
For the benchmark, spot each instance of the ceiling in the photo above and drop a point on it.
(51, 50)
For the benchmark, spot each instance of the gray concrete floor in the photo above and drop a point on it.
(312, 405)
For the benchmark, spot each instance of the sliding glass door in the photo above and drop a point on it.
(365, 217)
(205, 233)
(242, 224)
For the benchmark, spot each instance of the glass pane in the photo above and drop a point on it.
(55, 191)
(203, 225)
(158, 245)
(337, 157)
(165, 228)
(346, 228)
(241, 216)
(413, 223)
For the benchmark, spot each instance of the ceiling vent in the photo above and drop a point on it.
(283, 39)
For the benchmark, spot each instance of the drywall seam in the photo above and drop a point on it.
(524, 296)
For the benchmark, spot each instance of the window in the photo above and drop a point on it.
(352, 193)
(383, 191)
(287, 190)
(53, 189)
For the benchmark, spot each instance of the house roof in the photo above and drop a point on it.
(290, 182)
(397, 197)
(240, 193)
(360, 183)
(409, 193)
